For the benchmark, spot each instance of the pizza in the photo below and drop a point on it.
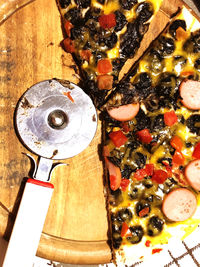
(151, 118)
(152, 145)
(102, 35)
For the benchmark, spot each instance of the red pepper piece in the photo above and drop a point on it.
(69, 45)
(148, 243)
(124, 184)
(159, 176)
(107, 21)
(178, 158)
(144, 212)
(169, 170)
(170, 118)
(176, 142)
(104, 66)
(68, 26)
(105, 82)
(125, 231)
(156, 250)
(149, 168)
(144, 136)
(85, 54)
(196, 152)
(140, 174)
(118, 138)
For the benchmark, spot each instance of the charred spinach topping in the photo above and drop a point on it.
(175, 25)
(115, 197)
(137, 234)
(83, 3)
(143, 83)
(126, 172)
(179, 60)
(192, 45)
(74, 16)
(108, 40)
(197, 64)
(144, 11)
(120, 21)
(124, 215)
(166, 46)
(64, 3)
(193, 123)
(157, 122)
(128, 4)
(143, 121)
(101, 1)
(155, 226)
(140, 159)
(130, 40)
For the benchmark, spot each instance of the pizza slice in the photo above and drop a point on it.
(152, 145)
(102, 35)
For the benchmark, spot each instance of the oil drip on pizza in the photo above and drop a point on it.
(152, 145)
(102, 35)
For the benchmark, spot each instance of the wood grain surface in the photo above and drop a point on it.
(75, 229)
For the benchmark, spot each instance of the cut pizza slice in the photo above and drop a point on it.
(152, 145)
(102, 35)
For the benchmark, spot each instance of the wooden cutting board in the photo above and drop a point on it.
(75, 229)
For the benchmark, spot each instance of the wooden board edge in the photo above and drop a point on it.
(60, 249)
(74, 252)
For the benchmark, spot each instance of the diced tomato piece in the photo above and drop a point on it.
(125, 230)
(148, 243)
(125, 126)
(114, 175)
(196, 152)
(170, 118)
(118, 138)
(176, 142)
(68, 26)
(178, 158)
(156, 250)
(159, 176)
(107, 21)
(140, 174)
(187, 73)
(149, 168)
(105, 82)
(104, 66)
(124, 184)
(69, 45)
(85, 54)
(169, 170)
(144, 136)
(144, 212)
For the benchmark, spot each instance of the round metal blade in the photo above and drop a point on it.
(56, 119)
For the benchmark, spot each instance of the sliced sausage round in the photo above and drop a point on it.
(192, 173)
(179, 205)
(190, 94)
(124, 112)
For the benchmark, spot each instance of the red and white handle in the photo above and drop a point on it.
(28, 224)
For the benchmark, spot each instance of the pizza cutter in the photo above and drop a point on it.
(56, 120)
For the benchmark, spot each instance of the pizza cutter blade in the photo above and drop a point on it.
(54, 119)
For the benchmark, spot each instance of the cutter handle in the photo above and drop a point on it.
(28, 224)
